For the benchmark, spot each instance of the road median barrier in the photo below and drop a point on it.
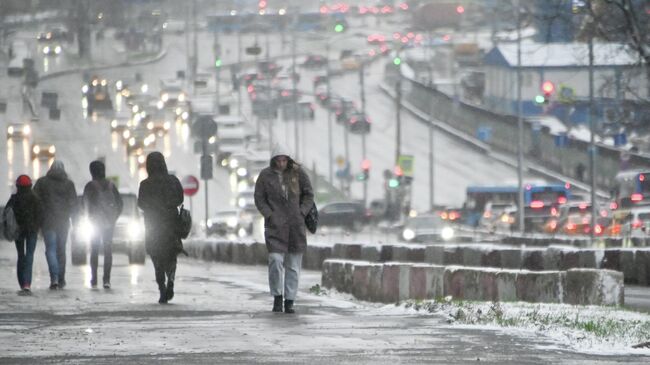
(391, 282)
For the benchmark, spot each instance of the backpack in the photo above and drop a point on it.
(183, 223)
(107, 207)
(10, 228)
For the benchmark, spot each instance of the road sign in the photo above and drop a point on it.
(190, 185)
(405, 162)
(204, 127)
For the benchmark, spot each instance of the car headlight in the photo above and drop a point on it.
(84, 89)
(185, 115)
(209, 223)
(242, 232)
(85, 230)
(150, 125)
(408, 234)
(234, 163)
(10, 130)
(57, 49)
(27, 130)
(135, 230)
(144, 88)
(52, 150)
(232, 222)
(37, 150)
(160, 104)
(167, 125)
(241, 202)
(118, 85)
(241, 172)
(447, 233)
(46, 50)
(164, 97)
(181, 97)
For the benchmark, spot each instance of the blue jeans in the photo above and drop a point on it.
(55, 241)
(25, 245)
(284, 271)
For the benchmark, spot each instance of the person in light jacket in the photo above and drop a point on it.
(284, 196)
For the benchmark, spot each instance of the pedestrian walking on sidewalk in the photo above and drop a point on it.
(159, 197)
(102, 204)
(59, 198)
(284, 196)
(28, 212)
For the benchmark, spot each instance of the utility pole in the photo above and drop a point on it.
(217, 66)
(398, 116)
(269, 104)
(294, 94)
(237, 76)
(520, 130)
(363, 136)
(431, 162)
(592, 144)
(195, 51)
(329, 117)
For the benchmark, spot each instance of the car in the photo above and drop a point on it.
(349, 215)
(128, 234)
(496, 216)
(54, 34)
(343, 108)
(232, 221)
(304, 108)
(246, 200)
(268, 68)
(95, 95)
(426, 228)
(359, 123)
(580, 224)
(172, 93)
(154, 120)
(42, 151)
(53, 49)
(230, 141)
(314, 61)
(18, 131)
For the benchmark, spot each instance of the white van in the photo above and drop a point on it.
(19, 52)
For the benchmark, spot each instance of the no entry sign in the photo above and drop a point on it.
(190, 185)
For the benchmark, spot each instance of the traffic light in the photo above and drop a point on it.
(547, 89)
(217, 62)
(365, 169)
(393, 183)
(460, 9)
(339, 27)
(261, 5)
(397, 61)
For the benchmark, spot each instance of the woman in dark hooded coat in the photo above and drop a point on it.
(159, 197)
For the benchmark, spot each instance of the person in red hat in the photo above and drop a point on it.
(27, 209)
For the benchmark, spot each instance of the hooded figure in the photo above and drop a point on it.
(284, 196)
(28, 211)
(59, 198)
(159, 197)
(103, 205)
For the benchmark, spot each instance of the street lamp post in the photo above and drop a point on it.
(520, 130)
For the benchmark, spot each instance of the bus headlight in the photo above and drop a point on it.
(447, 233)
(408, 234)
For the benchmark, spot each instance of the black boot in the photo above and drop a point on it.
(170, 290)
(288, 306)
(163, 293)
(277, 303)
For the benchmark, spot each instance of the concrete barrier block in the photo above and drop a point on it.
(426, 281)
(434, 255)
(611, 260)
(589, 258)
(533, 259)
(491, 258)
(375, 280)
(315, 255)
(626, 261)
(361, 281)
(207, 253)
(539, 287)
(452, 255)
(386, 253)
(510, 258)
(261, 253)
(332, 274)
(506, 282)
(642, 264)
(224, 251)
(593, 287)
(395, 282)
(462, 283)
(400, 253)
(471, 256)
(347, 251)
(415, 254)
(238, 253)
(553, 258)
(488, 285)
(370, 253)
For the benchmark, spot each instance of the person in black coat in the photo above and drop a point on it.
(59, 198)
(28, 212)
(103, 205)
(159, 197)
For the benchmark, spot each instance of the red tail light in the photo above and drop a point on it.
(554, 212)
(636, 197)
(444, 216)
(637, 224)
(562, 200)
(570, 226)
(582, 206)
(535, 204)
(598, 229)
(613, 205)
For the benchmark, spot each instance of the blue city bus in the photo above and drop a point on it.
(540, 201)
(632, 188)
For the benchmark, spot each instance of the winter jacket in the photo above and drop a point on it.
(92, 196)
(27, 209)
(58, 196)
(159, 197)
(284, 201)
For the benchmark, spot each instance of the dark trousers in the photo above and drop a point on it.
(25, 246)
(55, 242)
(103, 238)
(165, 266)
